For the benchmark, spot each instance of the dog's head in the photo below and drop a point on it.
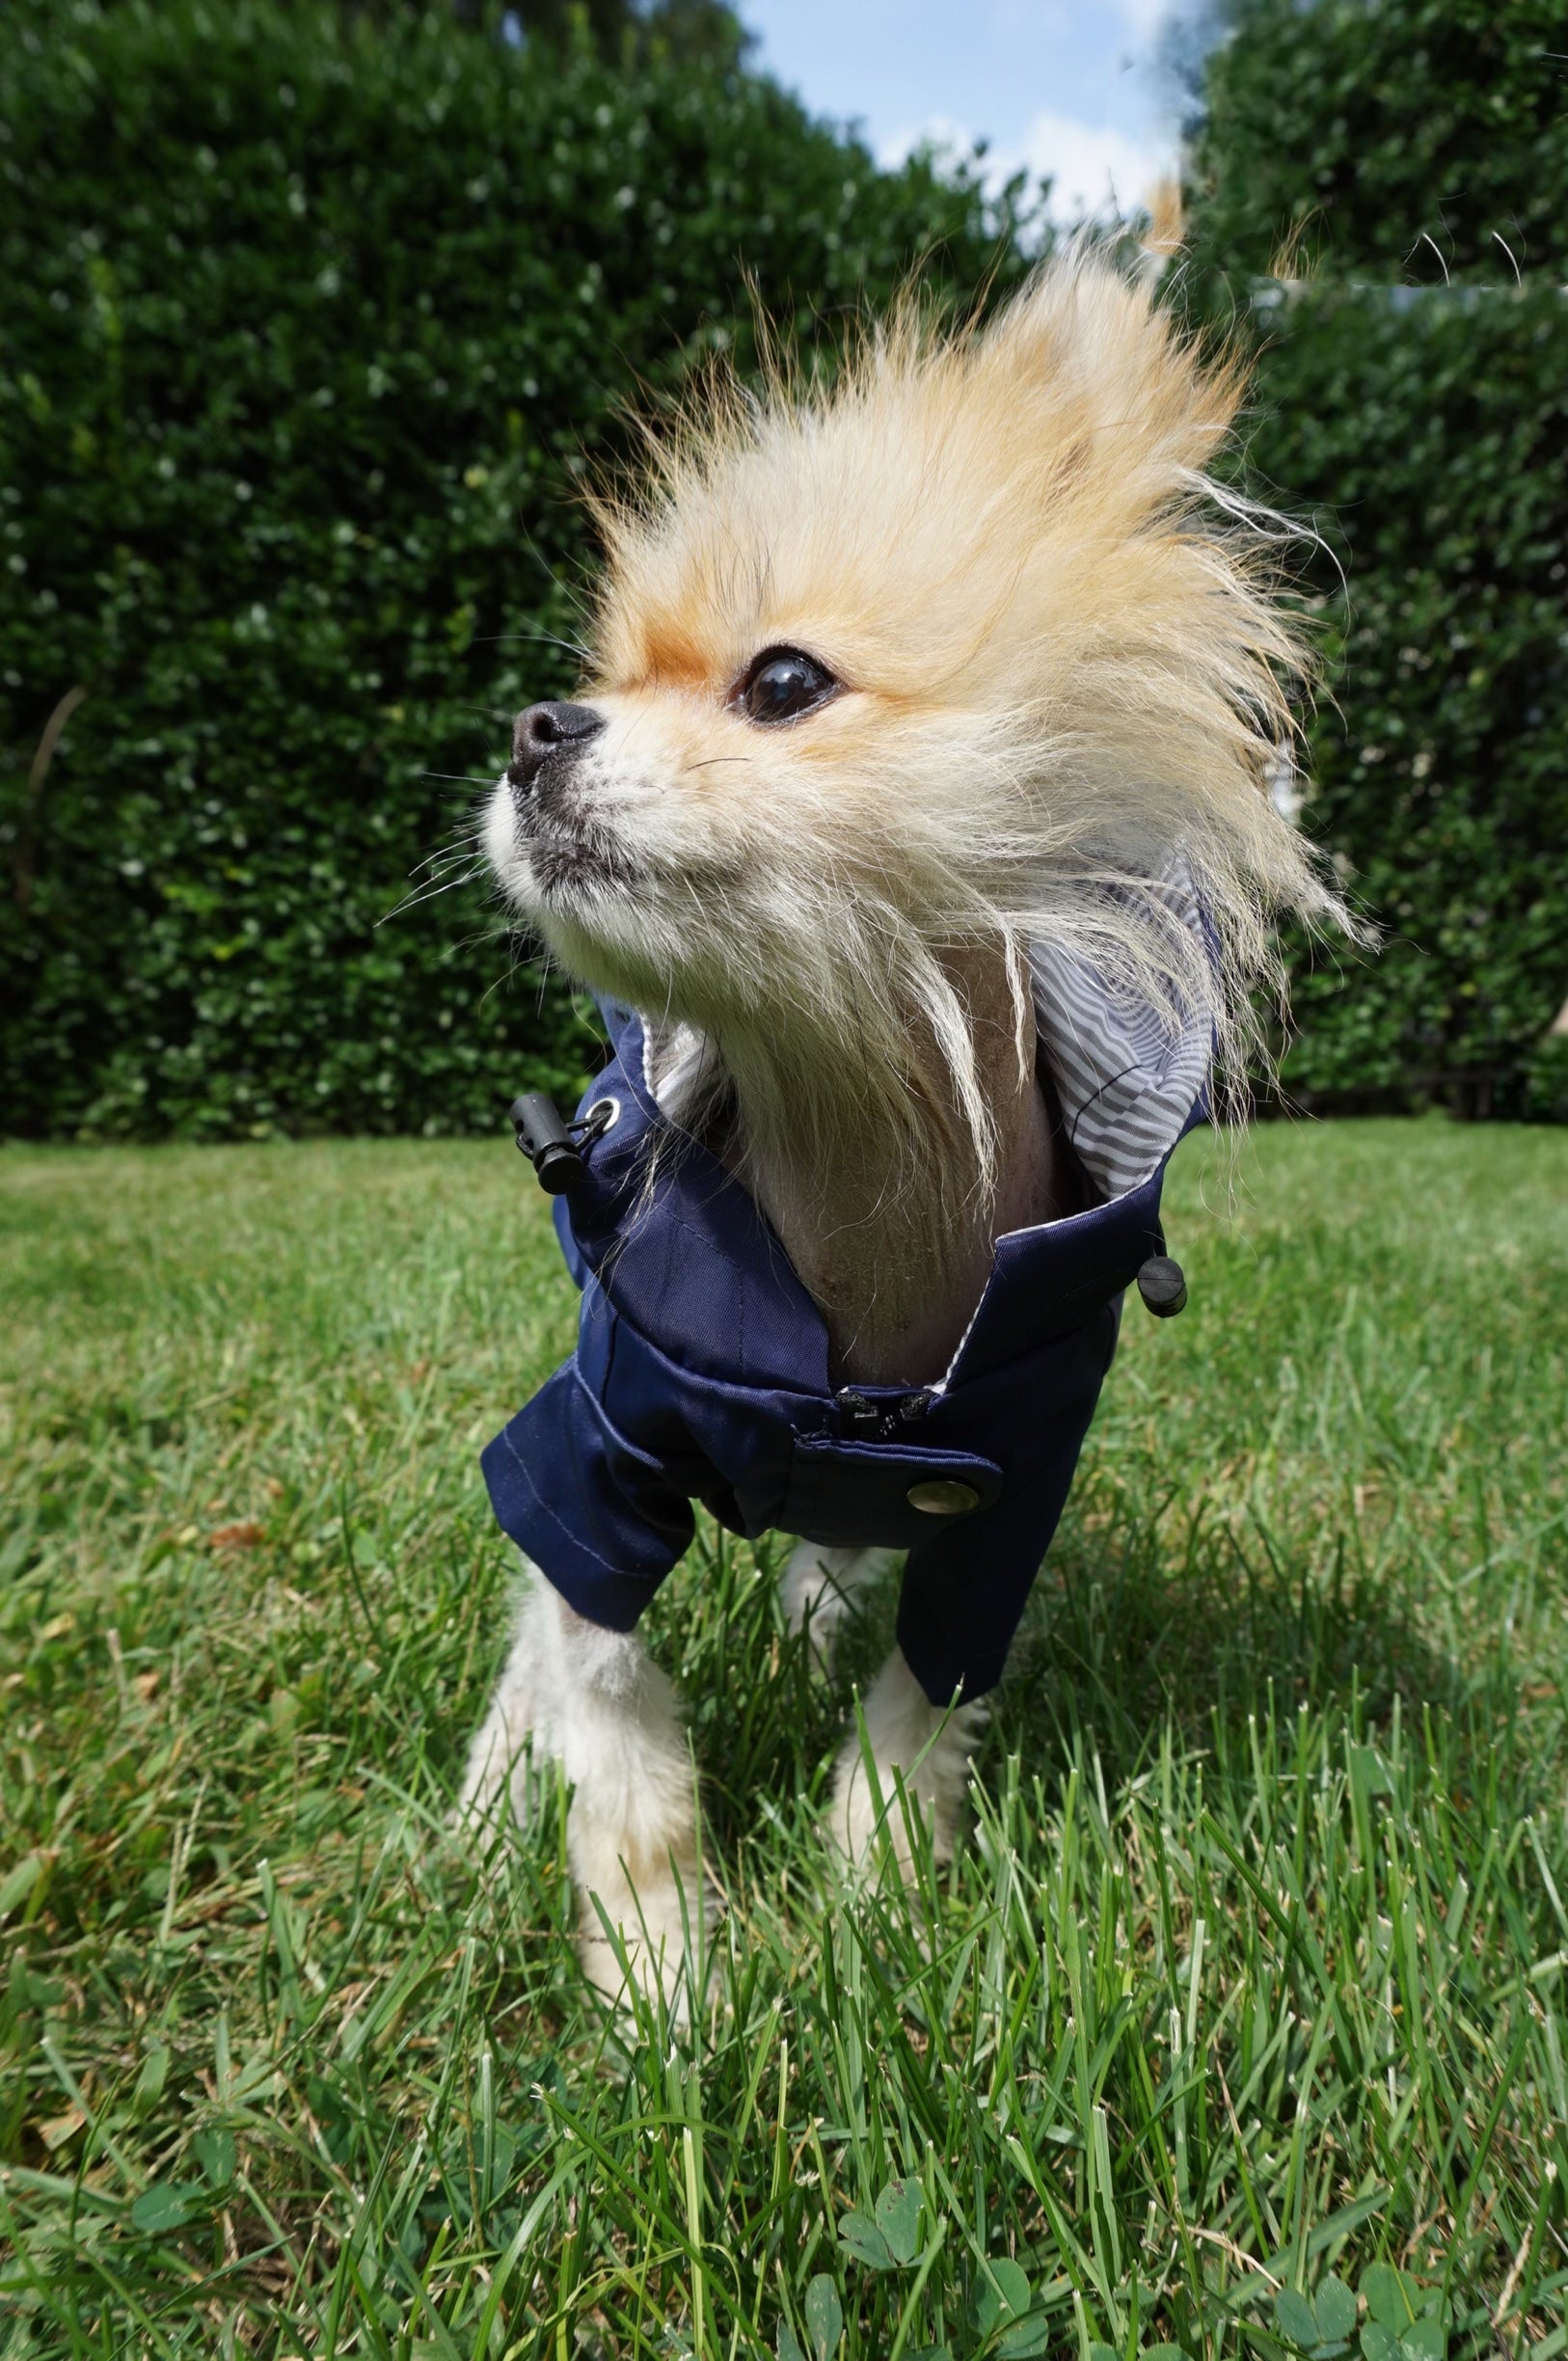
(960, 650)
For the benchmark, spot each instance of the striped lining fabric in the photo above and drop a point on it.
(1126, 1081)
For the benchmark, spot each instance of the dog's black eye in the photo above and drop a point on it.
(782, 684)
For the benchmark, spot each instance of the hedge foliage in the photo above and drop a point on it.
(310, 323)
(1429, 443)
(1390, 139)
(1421, 425)
(315, 316)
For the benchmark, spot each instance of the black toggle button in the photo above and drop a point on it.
(1162, 1287)
(545, 1141)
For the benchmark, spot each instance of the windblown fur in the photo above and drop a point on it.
(1068, 673)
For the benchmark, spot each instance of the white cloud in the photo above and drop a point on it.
(1144, 18)
(940, 131)
(1093, 170)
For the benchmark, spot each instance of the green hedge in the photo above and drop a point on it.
(310, 324)
(1428, 435)
(1422, 427)
(1392, 139)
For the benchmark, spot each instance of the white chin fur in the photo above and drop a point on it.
(502, 848)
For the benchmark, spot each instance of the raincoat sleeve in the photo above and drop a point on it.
(600, 1517)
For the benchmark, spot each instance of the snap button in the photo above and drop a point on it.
(943, 1497)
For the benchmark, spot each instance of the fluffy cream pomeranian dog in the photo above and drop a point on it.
(913, 826)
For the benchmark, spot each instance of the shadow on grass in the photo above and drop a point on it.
(1122, 1636)
(1128, 1632)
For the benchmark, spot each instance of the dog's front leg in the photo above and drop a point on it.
(820, 1585)
(594, 1701)
(929, 1747)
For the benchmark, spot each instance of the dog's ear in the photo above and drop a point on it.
(1130, 394)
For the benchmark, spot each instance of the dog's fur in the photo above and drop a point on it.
(1062, 670)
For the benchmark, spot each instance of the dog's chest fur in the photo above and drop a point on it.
(894, 1242)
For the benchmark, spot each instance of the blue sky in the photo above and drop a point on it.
(1067, 87)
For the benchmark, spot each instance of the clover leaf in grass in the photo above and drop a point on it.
(824, 2317)
(1323, 2327)
(168, 2204)
(1424, 2340)
(1335, 2309)
(1406, 2321)
(898, 2219)
(1296, 2319)
(1147, 2352)
(1003, 2293)
(893, 2238)
(1393, 2297)
(1002, 2302)
(1026, 2339)
(860, 2237)
(215, 2154)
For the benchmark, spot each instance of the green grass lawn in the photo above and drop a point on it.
(1255, 1973)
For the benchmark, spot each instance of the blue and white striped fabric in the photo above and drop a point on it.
(1126, 1079)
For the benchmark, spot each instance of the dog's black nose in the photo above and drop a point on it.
(548, 729)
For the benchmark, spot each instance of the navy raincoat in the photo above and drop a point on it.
(701, 1370)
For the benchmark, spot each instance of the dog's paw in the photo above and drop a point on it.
(661, 1923)
(870, 1811)
(918, 1768)
(819, 1586)
(495, 1776)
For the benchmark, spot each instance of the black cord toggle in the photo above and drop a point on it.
(552, 1146)
(1163, 1287)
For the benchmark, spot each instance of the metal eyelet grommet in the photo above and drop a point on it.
(602, 1116)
